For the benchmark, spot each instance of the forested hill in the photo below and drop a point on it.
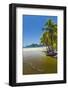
(33, 45)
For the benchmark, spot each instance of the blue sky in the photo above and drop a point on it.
(32, 28)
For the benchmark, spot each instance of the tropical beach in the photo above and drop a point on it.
(39, 49)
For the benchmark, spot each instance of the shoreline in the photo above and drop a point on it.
(35, 49)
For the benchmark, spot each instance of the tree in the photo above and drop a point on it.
(49, 36)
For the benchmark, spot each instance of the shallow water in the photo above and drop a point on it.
(36, 62)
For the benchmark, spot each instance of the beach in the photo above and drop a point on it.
(35, 61)
(35, 49)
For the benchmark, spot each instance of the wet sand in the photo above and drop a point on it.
(36, 62)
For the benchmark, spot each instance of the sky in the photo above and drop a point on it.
(32, 28)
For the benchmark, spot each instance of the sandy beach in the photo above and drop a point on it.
(35, 61)
(35, 49)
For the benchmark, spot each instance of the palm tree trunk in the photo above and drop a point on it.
(52, 40)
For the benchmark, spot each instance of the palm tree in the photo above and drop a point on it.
(55, 36)
(45, 40)
(49, 36)
(50, 27)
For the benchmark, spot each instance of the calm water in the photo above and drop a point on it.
(36, 62)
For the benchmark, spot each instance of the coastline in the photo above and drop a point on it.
(35, 49)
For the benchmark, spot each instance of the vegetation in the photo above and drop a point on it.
(49, 36)
(33, 45)
(37, 62)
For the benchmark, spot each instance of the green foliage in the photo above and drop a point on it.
(49, 36)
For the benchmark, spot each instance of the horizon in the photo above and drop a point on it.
(32, 28)
(36, 45)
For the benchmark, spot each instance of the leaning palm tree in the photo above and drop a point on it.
(55, 36)
(49, 36)
(45, 40)
(49, 27)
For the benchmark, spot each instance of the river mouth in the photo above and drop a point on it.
(36, 62)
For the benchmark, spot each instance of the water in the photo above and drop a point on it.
(36, 62)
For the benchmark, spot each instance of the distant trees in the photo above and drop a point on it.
(49, 36)
(33, 45)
